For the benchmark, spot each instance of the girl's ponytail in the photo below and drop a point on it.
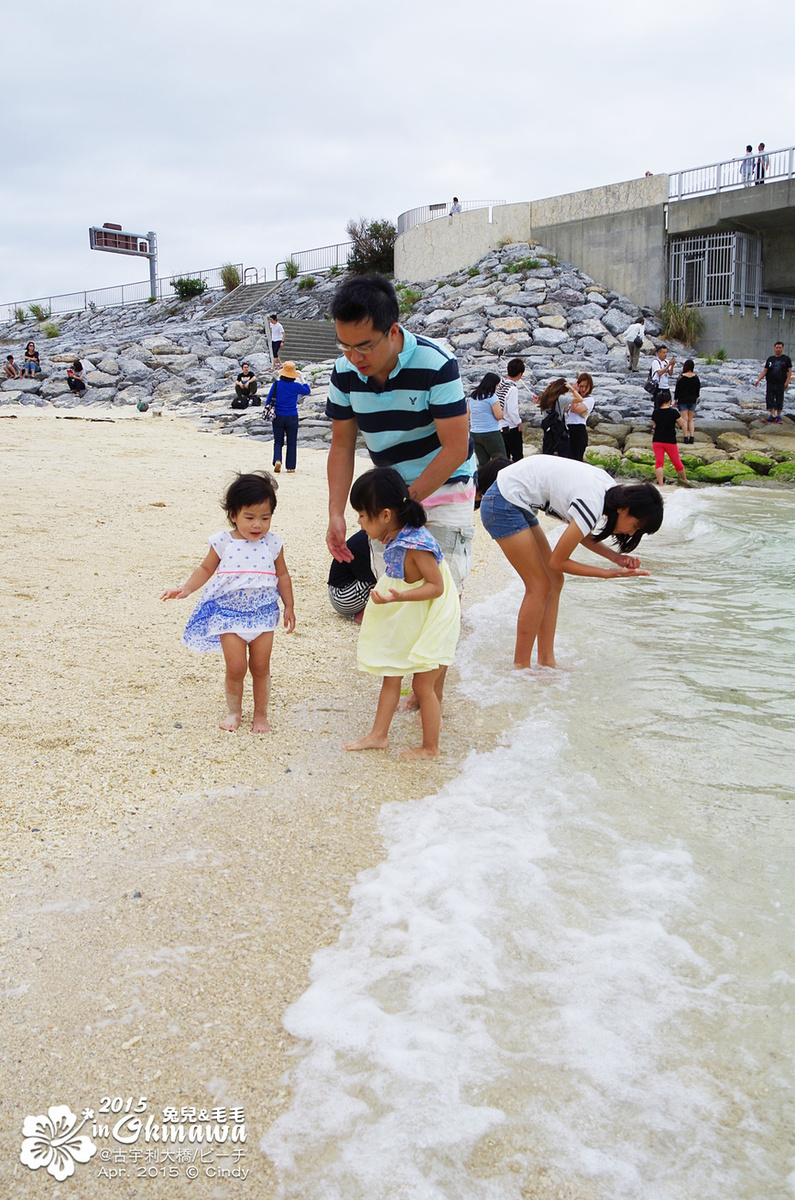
(383, 487)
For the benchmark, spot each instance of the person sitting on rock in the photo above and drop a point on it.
(10, 369)
(75, 378)
(245, 388)
(31, 366)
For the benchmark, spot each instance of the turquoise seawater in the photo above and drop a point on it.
(572, 974)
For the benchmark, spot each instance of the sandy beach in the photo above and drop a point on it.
(166, 883)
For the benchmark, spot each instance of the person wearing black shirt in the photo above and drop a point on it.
(663, 440)
(777, 373)
(350, 583)
(688, 389)
(245, 388)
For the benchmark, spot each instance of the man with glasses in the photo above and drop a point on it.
(404, 394)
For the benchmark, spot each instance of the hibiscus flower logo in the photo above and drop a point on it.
(51, 1141)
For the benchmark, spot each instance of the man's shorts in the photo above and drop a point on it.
(775, 395)
(500, 518)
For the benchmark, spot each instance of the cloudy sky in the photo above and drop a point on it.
(243, 131)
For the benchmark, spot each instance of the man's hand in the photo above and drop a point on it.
(335, 540)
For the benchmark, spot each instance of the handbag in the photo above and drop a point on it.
(651, 385)
(638, 341)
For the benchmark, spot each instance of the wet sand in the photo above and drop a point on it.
(165, 884)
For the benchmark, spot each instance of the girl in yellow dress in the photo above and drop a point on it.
(411, 622)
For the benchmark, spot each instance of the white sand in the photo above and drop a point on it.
(117, 780)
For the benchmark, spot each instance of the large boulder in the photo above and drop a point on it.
(616, 321)
(21, 385)
(108, 365)
(508, 343)
(236, 331)
(723, 472)
(133, 369)
(549, 337)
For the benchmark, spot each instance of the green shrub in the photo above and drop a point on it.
(681, 323)
(472, 272)
(335, 271)
(721, 355)
(187, 288)
(407, 298)
(39, 313)
(373, 246)
(230, 277)
(19, 315)
(291, 268)
(51, 331)
(149, 300)
(307, 283)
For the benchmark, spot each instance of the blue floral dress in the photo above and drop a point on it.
(418, 635)
(242, 595)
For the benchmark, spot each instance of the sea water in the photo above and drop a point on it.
(572, 974)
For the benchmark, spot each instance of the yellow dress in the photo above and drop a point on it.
(416, 635)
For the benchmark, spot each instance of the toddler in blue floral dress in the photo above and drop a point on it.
(239, 610)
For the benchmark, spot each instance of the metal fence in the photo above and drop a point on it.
(431, 212)
(749, 171)
(115, 297)
(722, 268)
(321, 258)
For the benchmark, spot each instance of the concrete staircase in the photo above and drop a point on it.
(308, 341)
(244, 299)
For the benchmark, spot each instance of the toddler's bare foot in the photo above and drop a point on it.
(408, 703)
(420, 752)
(231, 722)
(260, 724)
(371, 742)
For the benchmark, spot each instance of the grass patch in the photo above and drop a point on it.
(681, 323)
(19, 316)
(291, 268)
(51, 331)
(407, 298)
(335, 271)
(307, 283)
(524, 264)
(39, 313)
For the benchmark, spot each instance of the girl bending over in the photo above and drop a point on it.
(239, 611)
(579, 494)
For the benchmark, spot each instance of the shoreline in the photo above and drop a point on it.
(167, 882)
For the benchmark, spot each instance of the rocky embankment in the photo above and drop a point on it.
(517, 301)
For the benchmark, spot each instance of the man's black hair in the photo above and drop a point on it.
(366, 296)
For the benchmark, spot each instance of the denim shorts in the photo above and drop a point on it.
(501, 518)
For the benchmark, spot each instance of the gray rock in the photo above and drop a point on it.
(237, 331)
(585, 312)
(616, 321)
(133, 368)
(108, 365)
(101, 379)
(23, 386)
(592, 328)
(592, 345)
(550, 337)
(525, 299)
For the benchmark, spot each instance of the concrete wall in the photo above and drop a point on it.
(616, 234)
(778, 260)
(748, 210)
(748, 336)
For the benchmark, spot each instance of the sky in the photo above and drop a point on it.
(242, 131)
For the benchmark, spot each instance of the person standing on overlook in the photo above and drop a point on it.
(762, 163)
(455, 207)
(747, 167)
(777, 372)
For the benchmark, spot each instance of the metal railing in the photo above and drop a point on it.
(115, 297)
(321, 258)
(749, 171)
(722, 269)
(431, 212)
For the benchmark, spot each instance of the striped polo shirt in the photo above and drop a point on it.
(397, 420)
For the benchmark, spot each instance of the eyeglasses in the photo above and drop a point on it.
(364, 349)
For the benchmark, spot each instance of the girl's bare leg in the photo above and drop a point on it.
(523, 551)
(259, 663)
(387, 703)
(430, 715)
(545, 646)
(235, 658)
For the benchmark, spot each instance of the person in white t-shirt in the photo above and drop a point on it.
(586, 498)
(579, 410)
(277, 339)
(662, 369)
(631, 335)
(511, 423)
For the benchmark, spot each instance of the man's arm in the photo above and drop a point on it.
(340, 476)
(453, 433)
(761, 377)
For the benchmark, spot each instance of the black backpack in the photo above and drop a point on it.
(556, 435)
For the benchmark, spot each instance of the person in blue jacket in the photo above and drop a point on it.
(284, 394)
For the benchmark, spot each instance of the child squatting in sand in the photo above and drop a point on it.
(412, 621)
(239, 610)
